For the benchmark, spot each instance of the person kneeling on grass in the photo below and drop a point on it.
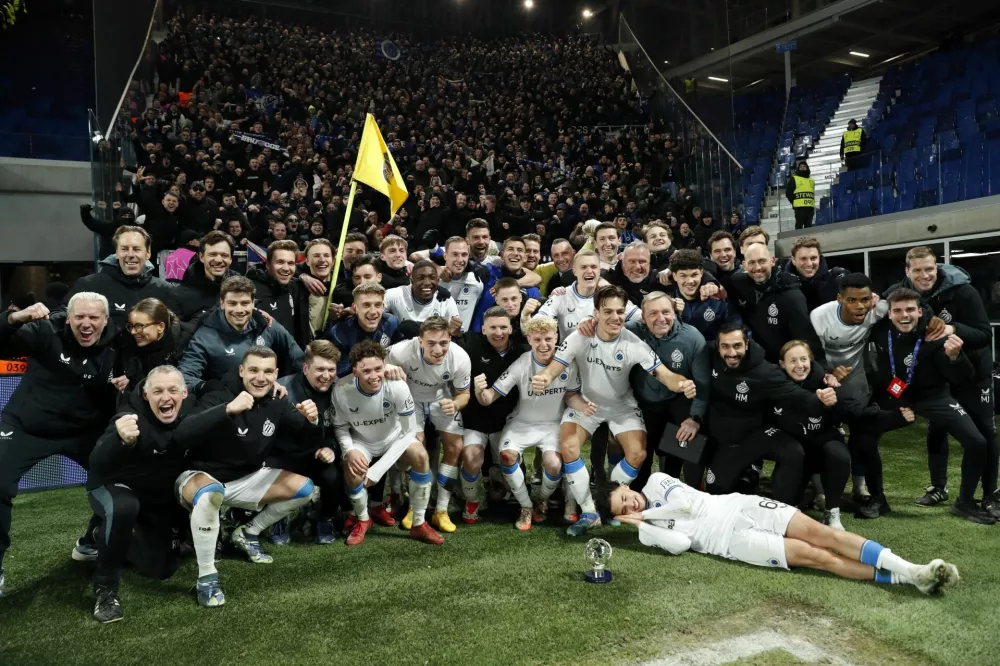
(375, 418)
(132, 470)
(228, 469)
(675, 517)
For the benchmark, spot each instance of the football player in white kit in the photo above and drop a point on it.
(420, 299)
(571, 305)
(375, 418)
(604, 362)
(439, 376)
(535, 421)
(676, 517)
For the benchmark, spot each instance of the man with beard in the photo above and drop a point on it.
(64, 399)
(558, 272)
(914, 373)
(125, 281)
(229, 470)
(708, 315)
(199, 289)
(280, 294)
(744, 386)
(682, 348)
(820, 284)
(392, 262)
(477, 232)
(946, 289)
(219, 343)
(422, 299)
(313, 382)
(772, 305)
(801, 193)
(130, 482)
(198, 212)
(491, 351)
(368, 321)
(512, 267)
(532, 251)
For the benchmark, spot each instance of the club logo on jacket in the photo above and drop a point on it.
(260, 341)
(908, 361)
(231, 351)
(65, 359)
(715, 375)
(119, 307)
(677, 357)
(242, 432)
(772, 314)
(778, 410)
(268, 428)
(945, 316)
(985, 396)
(709, 314)
(274, 306)
(6, 435)
(741, 392)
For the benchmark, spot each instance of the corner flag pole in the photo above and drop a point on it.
(340, 254)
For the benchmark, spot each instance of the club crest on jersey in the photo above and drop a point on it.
(709, 314)
(677, 357)
(710, 476)
(268, 429)
(260, 341)
(945, 316)
(741, 392)
(908, 361)
(446, 376)
(385, 404)
(619, 356)
(563, 377)
(772, 314)
(465, 290)
(385, 340)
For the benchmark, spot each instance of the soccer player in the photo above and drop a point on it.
(755, 530)
(512, 267)
(423, 298)
(439, 376)
(491, 352)
(535, 421)
(464, 279)
(228, 469)
(604, 362)
(130, 482)
(375, 418)
(572, 305)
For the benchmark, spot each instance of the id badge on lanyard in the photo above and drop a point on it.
(897, 386)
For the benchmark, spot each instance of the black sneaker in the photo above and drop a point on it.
(932, 496)
(108, 608)
(991, 504)
(972, 513)
(874, 508)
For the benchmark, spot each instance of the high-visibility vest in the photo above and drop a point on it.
(852, 141)
(805, 193)
(690, 85)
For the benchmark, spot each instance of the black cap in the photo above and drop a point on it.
(852, 120)
(198, 186)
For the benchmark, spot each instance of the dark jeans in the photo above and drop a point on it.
(134, 530)
(804, 217)
(728, 462)
(978, 401)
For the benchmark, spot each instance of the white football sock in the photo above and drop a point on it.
(890, 561)
(274, 512)
(570, 501)
(420, 495)
(205, 528)
(470, 486)
(446, 475)
(515, 479)
(623, 473)
(579, 484)
(359, 500)
(549, 486)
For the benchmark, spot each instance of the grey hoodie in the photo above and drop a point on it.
(683, 351)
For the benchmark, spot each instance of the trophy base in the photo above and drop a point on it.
(602, 576)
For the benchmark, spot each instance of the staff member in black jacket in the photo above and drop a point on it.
(280, 293)
(152, 337)
(132, 471)
(229, 469)
(772, 304)
(198, 290)
(820, 283)
(126, 283)
(914, 373)
(744, 389)
(64, 399)
(946, 289)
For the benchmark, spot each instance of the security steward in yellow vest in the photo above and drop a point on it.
(852, 144)
(801, 193)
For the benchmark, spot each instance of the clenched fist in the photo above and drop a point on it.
(479, 384)
(128, 429)
(953, 347)
(325, 455)
(309, 410)
(30, 313)
(827, 396)
(530, 307)
(241, 403)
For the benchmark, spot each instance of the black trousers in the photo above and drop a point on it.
(133, 529)
(942, 410)
(657, 417)
(729, 462)
(804, 217)
(19, 452)
(832, 461)
(978, 401)
(599, 454)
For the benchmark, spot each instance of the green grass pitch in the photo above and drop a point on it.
(492, 595)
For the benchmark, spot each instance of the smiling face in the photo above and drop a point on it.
(635, 263)
(562, 256)
(394, 256)
(320, 260)
(689, 281)
(724, 254)
(434, 345)
(657, 239)
(132, 253)
(364, 274)
(456, 257)
(370, 372)
(757, 263)
(532, 254)
(922, 273)
(369, 309)
(321, 373)
(165, 392)
(216, 260)
(806, 261)
(624, 500)
(424, 283)
(732, 348)
(587, 271)
(513, 256)
(606, 242)
(509, 298)
(143, 329)
(87, 321)
(352, 251)
(282, 266)
(479, 242)
(259, 375)
(797, 362)
(905, 315)
(237, 308)
(543, 345)
(497, 331)
(659, 316)
(610, 317)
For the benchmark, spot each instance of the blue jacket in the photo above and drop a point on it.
(216, 349)
(682, 350)
(707, 316)
(487, 301)
(346, 333)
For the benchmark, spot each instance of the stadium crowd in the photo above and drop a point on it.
(448, 345)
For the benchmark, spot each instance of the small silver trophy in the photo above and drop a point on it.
(598, 554)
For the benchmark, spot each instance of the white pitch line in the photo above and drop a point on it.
(741, 647)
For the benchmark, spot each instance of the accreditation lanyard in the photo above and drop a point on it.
(897, 386)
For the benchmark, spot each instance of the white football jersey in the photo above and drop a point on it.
(372, 418)
(430, 383)
(708, 520)
(604, 365)
(466, 290)
(400, 302)
(844, 344)
(571, 308)
(545, 407)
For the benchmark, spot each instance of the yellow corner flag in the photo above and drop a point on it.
(376, 168)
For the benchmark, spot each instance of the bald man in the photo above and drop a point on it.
(772, 305)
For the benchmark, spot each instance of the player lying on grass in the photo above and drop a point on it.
(675, 517)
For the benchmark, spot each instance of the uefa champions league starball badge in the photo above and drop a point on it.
(598, 554)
